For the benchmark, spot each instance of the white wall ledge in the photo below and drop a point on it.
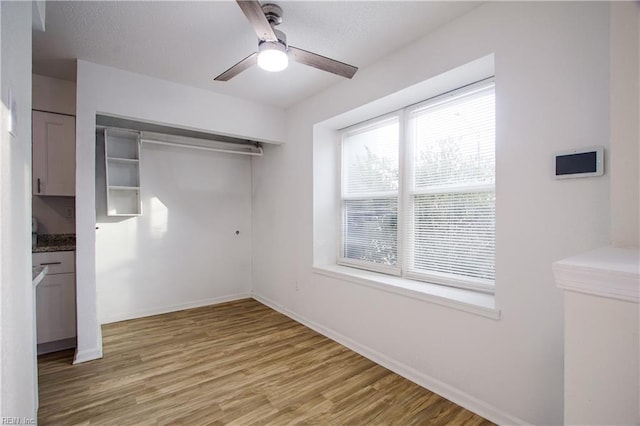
(474, 302)
(606, 272)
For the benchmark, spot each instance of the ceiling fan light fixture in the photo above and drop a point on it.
(272, 56)
(273, 50)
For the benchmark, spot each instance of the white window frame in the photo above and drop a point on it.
(365, 126)
(405, 195)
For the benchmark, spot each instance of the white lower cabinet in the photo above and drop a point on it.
(56, 301)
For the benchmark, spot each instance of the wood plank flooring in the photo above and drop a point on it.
(235, 363)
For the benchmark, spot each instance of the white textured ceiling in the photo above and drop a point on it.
(192, 42)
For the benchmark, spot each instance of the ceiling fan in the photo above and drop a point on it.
(273, 51)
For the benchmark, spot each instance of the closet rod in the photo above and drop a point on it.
(205, 148)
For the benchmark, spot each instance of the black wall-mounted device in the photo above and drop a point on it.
(579, 163)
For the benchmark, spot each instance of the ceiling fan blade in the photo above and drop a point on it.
(254, 13)
(247, 62)
(322, 62)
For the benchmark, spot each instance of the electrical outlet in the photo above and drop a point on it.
(69, 212)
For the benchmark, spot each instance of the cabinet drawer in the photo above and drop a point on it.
(59, 262)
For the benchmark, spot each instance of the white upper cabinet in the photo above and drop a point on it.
(54, 154)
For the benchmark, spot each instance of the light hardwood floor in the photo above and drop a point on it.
(234, 363)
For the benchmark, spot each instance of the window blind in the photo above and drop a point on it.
(370, 184)
(431, 216)
(450, 232)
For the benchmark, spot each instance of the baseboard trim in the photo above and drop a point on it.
(449, 392)
(55, 346)
(123, 316)
(86, 355)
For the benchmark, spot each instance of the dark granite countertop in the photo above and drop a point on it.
(55, 242)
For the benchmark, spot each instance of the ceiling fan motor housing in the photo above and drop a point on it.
(273, 13)
(282, 39)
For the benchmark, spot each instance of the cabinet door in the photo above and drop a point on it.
(54, 154)
(56, 308)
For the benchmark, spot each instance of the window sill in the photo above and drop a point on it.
(464, 300)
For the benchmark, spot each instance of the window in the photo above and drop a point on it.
(370, 169)
(418, 191)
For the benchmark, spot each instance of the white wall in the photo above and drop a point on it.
(552, 88)
(17, 343)
(106, 90)
(52, 214)
(183, 251)
(54, 95)
(602, 352)
(625, 124)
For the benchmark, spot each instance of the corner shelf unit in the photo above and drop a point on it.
(122, 166)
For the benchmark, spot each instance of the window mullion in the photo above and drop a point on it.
(340, 185)
(403, 193)
(454, 189)
(370, 195)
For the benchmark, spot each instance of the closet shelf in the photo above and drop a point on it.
(124, 188)
(123, 160)
(122, 166)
